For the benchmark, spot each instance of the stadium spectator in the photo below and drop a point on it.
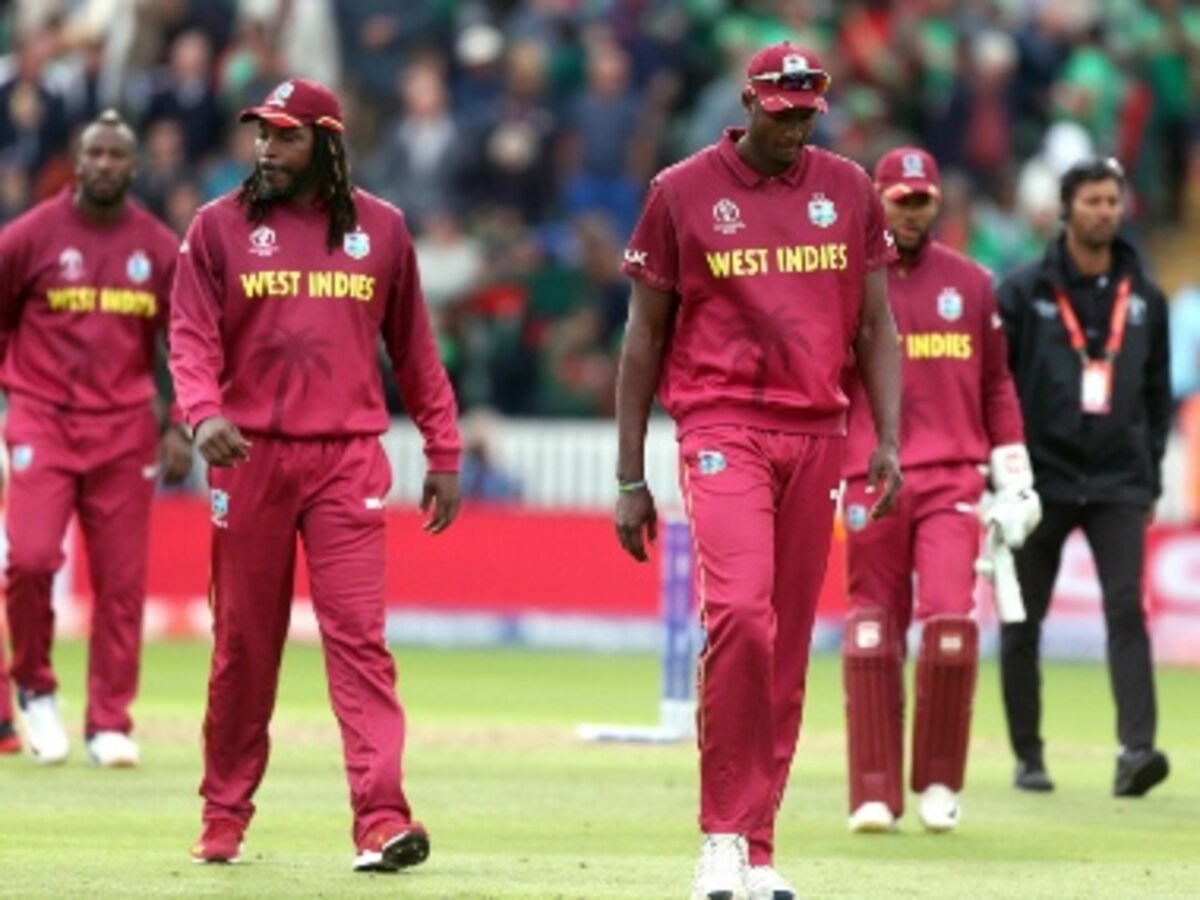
(1088, 347)
(184, 94)
(421, 154)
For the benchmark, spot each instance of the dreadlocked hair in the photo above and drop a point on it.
(331, 172)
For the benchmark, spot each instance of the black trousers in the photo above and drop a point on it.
(1117, 535)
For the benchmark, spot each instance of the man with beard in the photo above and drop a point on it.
(284, 289)
(84, 285)
(960, 414)
(759, 276)
(1088, 347)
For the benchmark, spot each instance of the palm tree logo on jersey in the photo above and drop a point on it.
(291, 355)
(768, 337)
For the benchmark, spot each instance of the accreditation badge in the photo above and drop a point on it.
(1096, 394)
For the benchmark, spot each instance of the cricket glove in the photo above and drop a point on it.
(1013, 509)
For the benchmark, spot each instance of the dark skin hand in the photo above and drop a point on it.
(221, 443)
(877, 350)
(442, 494)
(174, 456)
(650, 314)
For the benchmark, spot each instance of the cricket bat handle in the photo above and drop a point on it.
(1006, 589)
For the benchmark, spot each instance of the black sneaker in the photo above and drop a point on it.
(1032, 776)
(1138, 771)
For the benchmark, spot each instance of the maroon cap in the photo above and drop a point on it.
(907, 170)
(784, 76)
(296, 103)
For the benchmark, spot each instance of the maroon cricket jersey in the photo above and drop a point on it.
(958, 396)
(769, 273)
(81, 305)
(280, 335)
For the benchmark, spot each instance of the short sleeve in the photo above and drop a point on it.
(652, 255)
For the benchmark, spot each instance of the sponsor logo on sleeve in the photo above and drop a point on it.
(635, 257)
(727, 218)
(950, 304)
(821, 211)
(263, 241)
(220, 509)
(357, 244)
(138, 267)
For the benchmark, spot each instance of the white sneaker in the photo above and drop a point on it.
(113, 750)
(872, 817)
(44, 730)
(721, 871)
(765, 883)
(939, 809)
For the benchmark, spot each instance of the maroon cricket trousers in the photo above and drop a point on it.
(103, 467)
(330, 493)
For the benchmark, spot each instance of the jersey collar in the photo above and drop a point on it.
(747, 174)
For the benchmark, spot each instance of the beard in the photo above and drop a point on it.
(106, 196)
(292, 187)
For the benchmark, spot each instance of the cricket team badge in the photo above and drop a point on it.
(912, 166)
(950, 304)
(220, 509)
(727, 217)
(138, 267)
(821, 211)
(357, 244)
(710, 462)
(22, 457)
(279, 96)
(856, 517)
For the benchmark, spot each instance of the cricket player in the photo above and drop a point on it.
(758, 272)
(960, 413)
(85, 280)
(284, 290)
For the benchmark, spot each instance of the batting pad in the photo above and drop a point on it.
(947, 666)
(872, 666)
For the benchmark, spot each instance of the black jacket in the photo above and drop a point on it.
(1078, 458)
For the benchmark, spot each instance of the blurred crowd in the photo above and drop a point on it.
(519, 135)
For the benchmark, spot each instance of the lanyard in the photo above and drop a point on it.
(1116, 327)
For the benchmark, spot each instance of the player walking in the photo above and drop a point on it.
(960, 411)
(85, 279)
(757, 267)
(284, 289)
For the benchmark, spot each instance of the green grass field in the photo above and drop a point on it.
(518, 809)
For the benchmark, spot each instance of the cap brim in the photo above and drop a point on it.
(281, 119)
(909, 187)
(785, 100)
(267, 114)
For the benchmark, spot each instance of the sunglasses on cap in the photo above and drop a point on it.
(814, 81)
